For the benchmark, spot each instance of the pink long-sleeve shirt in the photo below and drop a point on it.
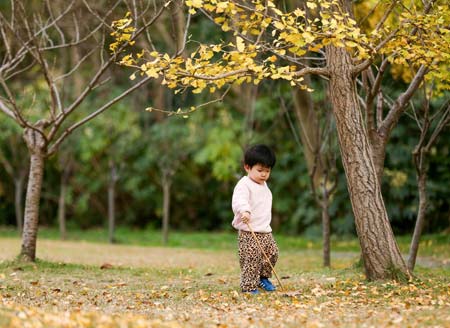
(255, 198)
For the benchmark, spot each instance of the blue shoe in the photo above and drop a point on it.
(265, 284)
(253, 292)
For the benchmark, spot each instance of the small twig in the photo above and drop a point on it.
(265, 255)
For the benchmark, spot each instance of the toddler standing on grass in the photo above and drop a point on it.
(252, 208)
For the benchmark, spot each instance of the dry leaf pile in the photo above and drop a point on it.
(186, 299)
(123, 286)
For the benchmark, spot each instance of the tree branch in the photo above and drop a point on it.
(70, 129)
(181, 50)
(216, 77)
(93, 83)
(14, 111)
(103, 22)
(322, 71)
(445, 119)
(76, 66)
(7, 111)
(386, 15)
(400, 103)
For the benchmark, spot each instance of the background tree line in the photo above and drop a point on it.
(207, 167)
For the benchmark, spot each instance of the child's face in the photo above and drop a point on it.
(258, 173)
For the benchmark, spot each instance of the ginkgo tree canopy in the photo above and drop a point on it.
(270, 43)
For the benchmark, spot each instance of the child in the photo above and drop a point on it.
(252, 207)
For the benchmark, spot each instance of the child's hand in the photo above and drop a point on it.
(245, 217)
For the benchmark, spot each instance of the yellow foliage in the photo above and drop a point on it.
(410, 39)
(397, 179)
(240, 44)
(194, 3)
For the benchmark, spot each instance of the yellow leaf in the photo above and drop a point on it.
(308, 37)
(311, 5)
(351, 44)
(240, 44)
(299, 13)
(219, 20)
(217, 48)
(194, 3)
(209, 7)
(125, 37)
(113, 46)
(221, 6)
(152, 72)
(279, 25)
(207, 55)
(225, 27)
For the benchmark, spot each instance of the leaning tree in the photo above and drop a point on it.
(62, 47)
(270, 43)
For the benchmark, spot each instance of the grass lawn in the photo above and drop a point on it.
(436, 245)
(85, 282)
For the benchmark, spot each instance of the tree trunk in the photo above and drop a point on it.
(65, 164)
(62, 209)
(18, 177)
(420, 221)
(166, 208)
(309, 132)
(111, 204)
(381, 255)
(178, 25)
(325, 226)
(247, 98)
(36, 146)
(378, 145)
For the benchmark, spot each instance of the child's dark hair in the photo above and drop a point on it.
(259, 154)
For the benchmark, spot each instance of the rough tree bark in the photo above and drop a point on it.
(381, 255)
(37, 147)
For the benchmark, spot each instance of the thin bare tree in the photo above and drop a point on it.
(37, 38)
(430, 123)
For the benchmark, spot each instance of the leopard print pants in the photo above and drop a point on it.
(252, 261)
